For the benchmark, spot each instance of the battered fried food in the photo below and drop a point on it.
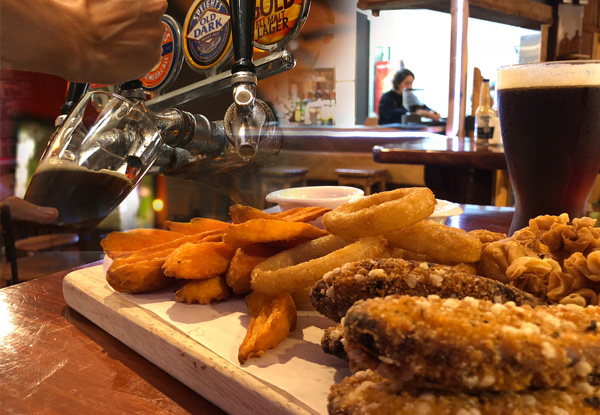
(332, 342)
(380, 212)
(437, 241)
(368, 393)
(271, 320)
(203, 291)
(487, 237)
(474, 345)
(199, 261)
(269, 230)
(553, 258)
(298, 268)
(335, 293)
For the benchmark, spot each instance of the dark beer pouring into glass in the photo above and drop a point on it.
(95, 159)
(550, 121)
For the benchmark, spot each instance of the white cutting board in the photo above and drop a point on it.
(302, 372)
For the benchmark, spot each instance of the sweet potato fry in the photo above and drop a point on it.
(196, 225)
(271, 320)
(203, 291)
(302, 214)
(241, 214)
(164, 249)
(242, 263)
(265, 230)
(141, 277)
(198, 261)
(117, 243)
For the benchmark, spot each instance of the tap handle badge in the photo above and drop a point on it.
(207, 36)
(277, 22)
(167, 69)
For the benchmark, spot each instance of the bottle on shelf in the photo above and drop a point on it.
(564, 45)
(575, 44)
(486, 117)
(298, 110)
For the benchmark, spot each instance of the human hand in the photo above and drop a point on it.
(23, 210)
(429, 114)
(93, 41)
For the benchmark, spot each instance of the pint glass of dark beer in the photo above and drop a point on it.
(93, 161)
(550, 119)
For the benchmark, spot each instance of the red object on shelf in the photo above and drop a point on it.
(384, 74)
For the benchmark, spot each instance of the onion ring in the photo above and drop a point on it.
(380, 212)
(438, 242)
(298, 268)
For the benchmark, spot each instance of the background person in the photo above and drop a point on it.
(391, 108)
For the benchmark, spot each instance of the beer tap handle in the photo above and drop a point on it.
(242, 17)
(133, 90)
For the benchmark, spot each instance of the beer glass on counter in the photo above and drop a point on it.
(94, 159)
(550, 119)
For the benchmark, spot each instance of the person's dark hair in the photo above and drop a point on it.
(400, 76)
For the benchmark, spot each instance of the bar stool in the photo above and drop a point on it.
(364, 178)
(274, 178)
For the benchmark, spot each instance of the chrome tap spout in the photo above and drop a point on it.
(249, 122)
(192, 132)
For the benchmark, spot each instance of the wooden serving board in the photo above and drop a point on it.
(206, 371)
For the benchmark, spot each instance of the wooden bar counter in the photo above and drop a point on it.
(55, 361)
(442, 151)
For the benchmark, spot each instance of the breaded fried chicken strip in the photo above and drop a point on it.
(473, 345)
(368, 393)
(339, 289)
(332, 342)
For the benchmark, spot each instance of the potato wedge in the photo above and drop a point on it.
(141, 277)
(201, 260)
(271, 320)
(242, 263)
(203, 291)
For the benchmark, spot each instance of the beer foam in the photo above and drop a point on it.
(550, 74)
(54, 164)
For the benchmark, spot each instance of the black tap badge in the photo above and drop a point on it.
(277, 22)
(207, 32)
(167, 69)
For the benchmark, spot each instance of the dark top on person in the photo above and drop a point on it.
(391, 109)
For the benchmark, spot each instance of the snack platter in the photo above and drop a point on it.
(293, 378)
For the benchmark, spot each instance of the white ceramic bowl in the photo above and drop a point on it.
(324, 196)
(444, 209)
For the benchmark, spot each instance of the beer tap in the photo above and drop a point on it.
(185, 136)
(249, 121)
(75, 91)
(191, 145)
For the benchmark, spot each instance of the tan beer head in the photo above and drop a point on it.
(553, 74)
